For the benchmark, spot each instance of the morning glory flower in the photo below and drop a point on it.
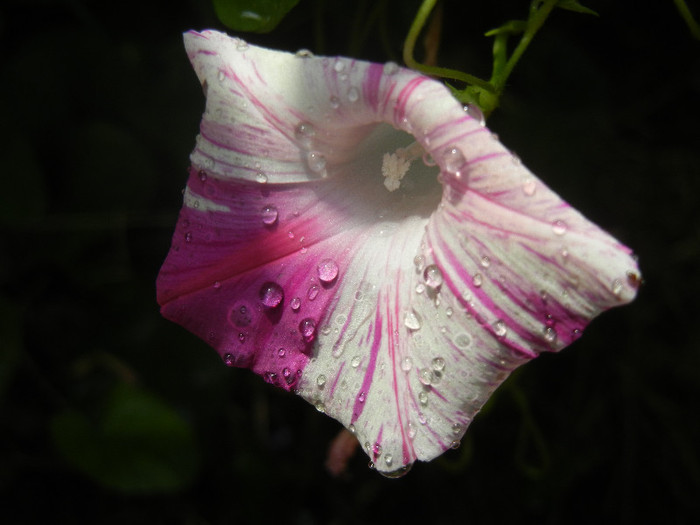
(352, 234)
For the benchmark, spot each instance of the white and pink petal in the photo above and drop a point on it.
(395, 312)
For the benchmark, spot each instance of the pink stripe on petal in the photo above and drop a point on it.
(397, 313)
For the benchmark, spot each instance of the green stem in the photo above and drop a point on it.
(688, 17)
(410, 43)
(535, 22)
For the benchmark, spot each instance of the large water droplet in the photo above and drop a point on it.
(321, 380)
(475, 112)
(398, 473)
(391, 68)
(477, 280)
(411, 430)
(202, 175)
(529, 187)
(438, 364)
(316, 161)
(269, 215)
(432, 276)
(305, 133)
(353, 94)
(339, 65)
(559, 227)
(271, 294)
(454, 161)
(261, 177)
(355, 362)
(426, 376)
(307, 328)
(500, 328)
(327, 271)
(412, 320)
(550, 334)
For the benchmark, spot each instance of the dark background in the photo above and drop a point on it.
(110, 414)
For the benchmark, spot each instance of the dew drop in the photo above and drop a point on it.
(438, 364)
(559, 227)
(426, 376)
(312, 292)
(335, 102)
(428, 160)
(485, 261)
(475, 112)
(281, 353)
(499, 328)
(241, 45)
(188, 237)
(221, 76)
(361, 397)
(456, 429)
(229, 360)
(617, 287)
(271, 294)
(529, 187)
(286, 372)
(307, 328)
(351, 428)
(339, 65)
(423, 397)
(448, 312)
(202, 175)
(463, 340)
(411, 430)
(422, 419)
(550, 334)
(296, 304)
(454, 161)
(419, 262)
(391, 68)
(269, 215)
(261, 177)
(377, 449)
(388, 460)
(412, 320)
(477, 280)
(353, 94)
(455, 444)
(420, 288)
(327, 271)
(217, 285)
(305, 133)
(432, 276)
(355, 362)
(304, 53)
(406, 364)
(321, 380)
(316, 161)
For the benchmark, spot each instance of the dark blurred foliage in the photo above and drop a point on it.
(110, 414)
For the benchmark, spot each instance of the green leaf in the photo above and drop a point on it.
(256, 16)
(512, 27)
(573, 5)
(138, 445)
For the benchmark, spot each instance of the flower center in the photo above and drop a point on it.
(395, 165)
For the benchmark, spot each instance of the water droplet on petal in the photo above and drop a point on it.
(406, 364)
(423, 397)
(355, 362)
(281, 353)
(304, 53)
(500, 328)
(412, 320)
(391, 68)
(261, 177)
(269, 215)
(475, 112)
(188, 237)
(426, 376)
(456, 429)
(217, 285)
(321, 380)
(428, 159)
(308, 329)
(327, 271)
(477, 280)
(420, 288)
(295, 304)
(316, 161)
(529, 187)
(305, 134)
(485, 261)
(550, 334)
(617, 287)
(241, 45)
(559, 227)
(221, 76)
(454, 161)
(229, 360)
(202, 175)
(438, 364)
(432, 276)
(271, 294)
(335, 102)
(463, 340)
(312, 292)
(339, 65)
(361, 397)
(353, 94)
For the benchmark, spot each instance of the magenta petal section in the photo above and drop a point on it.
(349, 232)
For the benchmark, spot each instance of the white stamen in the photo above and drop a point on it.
(395, 165)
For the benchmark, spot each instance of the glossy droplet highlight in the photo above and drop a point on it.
(321, 380)
(188, 237)
(261, 177)
(271, 294)
(391, 68)
(529, 187)
(406, 364)
(353, 94)
(327, 271)
(295, 304)
(361, 398)
(412, 320)
(304, 53)
(423, 397)
(454, 161)
(312, 292)
(269, 215)
(307, 328)
(316, 161)
(617, 287)
(559, 227)
(432, 276)
(550, 334)
(475, 113)
(477, 280)
(305, 133)
(228, 359)
(426, 376)
(500, 328)
(438, 364)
